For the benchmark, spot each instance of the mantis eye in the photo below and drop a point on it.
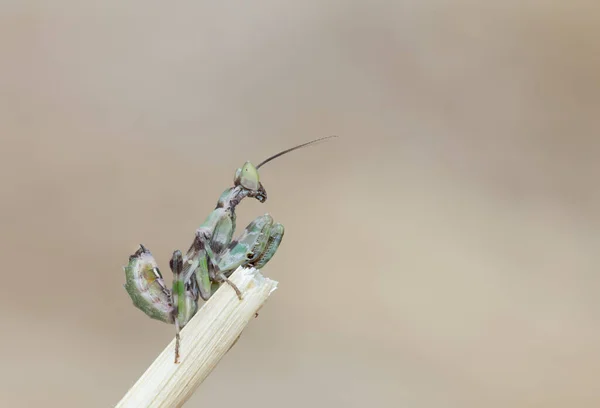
(249, 177)
(237, 177)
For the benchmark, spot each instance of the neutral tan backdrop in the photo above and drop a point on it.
(442, 253)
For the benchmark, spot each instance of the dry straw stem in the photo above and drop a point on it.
(204, 341)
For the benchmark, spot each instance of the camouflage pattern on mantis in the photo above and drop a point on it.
(213, 256)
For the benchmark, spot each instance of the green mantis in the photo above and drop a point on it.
(213, 256)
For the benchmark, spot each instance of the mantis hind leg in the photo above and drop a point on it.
(185, 298)
(220, 277)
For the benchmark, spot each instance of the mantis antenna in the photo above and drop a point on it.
(291, 149)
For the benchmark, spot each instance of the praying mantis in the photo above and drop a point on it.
(212, 257)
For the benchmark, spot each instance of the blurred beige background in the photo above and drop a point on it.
(443, 253)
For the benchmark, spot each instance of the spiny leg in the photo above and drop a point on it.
(214, 235)
(220, 240)
(185, 298)
(240, 250)
(213, 275)
(176, 265)
(275, 238)
(255, 246)
(247, 246)
(211, 238)
(214, 238)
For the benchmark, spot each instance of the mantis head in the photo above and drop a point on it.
(247, 176)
